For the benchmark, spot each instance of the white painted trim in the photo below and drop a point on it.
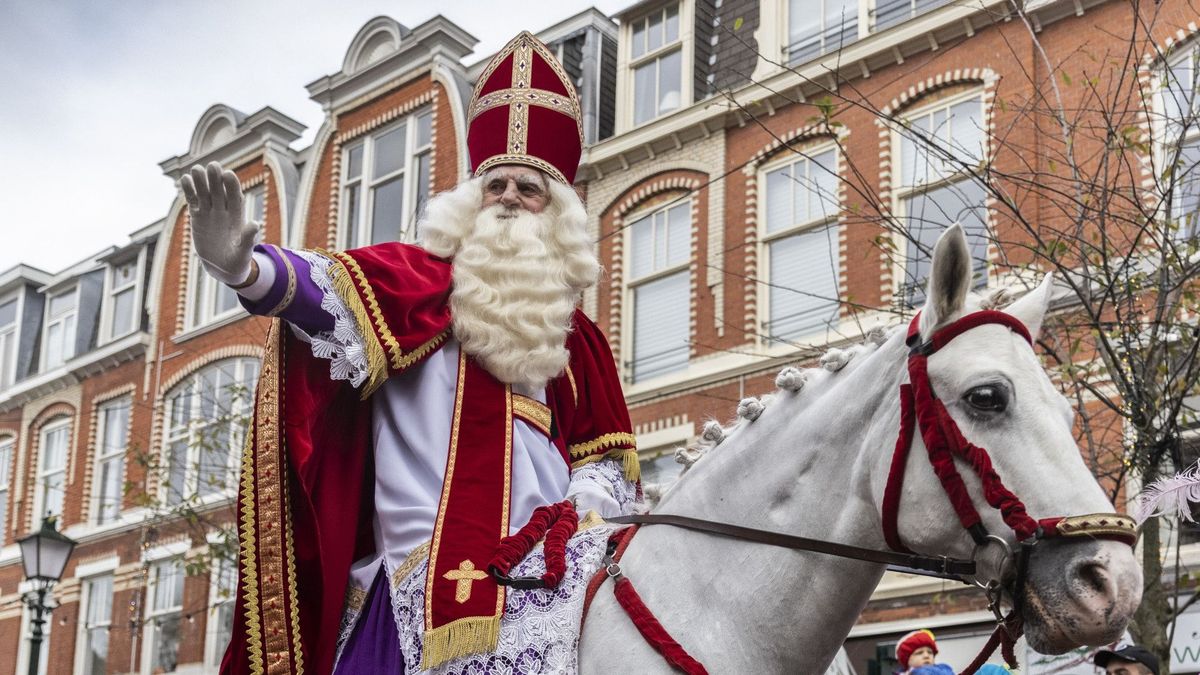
(165, 551)
(680, 433)
(94, 568)
(906, 625)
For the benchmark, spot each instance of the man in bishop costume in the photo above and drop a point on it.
(417, 403)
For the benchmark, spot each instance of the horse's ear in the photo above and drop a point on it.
(1032, 306)
(949, 279)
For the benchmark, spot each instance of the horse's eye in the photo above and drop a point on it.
(987, 398)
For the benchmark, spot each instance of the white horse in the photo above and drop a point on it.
(815, 463)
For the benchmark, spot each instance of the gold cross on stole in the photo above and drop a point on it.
(465, 575)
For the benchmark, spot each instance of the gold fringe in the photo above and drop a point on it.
(472, 635)
(343, 285)
(605, 441)
(629, 460)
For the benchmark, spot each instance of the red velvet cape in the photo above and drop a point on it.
(305, 492)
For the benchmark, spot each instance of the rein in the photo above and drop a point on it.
(921, 409)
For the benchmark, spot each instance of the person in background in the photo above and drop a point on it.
(1128, 660)
(916, 653)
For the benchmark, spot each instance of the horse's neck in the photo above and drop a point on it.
(802, 468)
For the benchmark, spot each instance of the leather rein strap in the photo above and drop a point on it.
(953, 568)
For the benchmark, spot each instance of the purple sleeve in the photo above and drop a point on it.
(294, 296)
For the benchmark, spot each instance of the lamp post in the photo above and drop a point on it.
(44, 554)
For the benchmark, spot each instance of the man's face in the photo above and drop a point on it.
(1119, 667)
(922, 656)
(514, 186)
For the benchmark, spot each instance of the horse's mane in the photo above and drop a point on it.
(809, 382)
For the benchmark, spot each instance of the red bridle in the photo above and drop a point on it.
(944, 441)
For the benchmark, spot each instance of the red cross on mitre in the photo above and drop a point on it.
(525, 111)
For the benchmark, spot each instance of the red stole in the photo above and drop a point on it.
(463, 604)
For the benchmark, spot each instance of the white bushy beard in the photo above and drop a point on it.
(517, 277)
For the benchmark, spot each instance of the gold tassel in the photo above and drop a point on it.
(343, 285)
(472, 635)
(633, 467)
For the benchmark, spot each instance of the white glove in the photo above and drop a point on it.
(223, 241)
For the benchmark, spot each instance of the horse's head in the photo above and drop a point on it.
(1079, 590)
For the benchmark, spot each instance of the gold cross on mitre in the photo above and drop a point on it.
(465, 575)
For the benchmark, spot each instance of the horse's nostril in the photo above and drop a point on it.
(1094, 577)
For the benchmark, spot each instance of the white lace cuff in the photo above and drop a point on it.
(344, 345)
(607, 475)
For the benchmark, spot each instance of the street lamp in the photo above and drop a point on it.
(44, 554)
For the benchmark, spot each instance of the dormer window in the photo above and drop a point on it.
(819, 28)
(122, 299)
(60, 328)
(385, 182)
(8, 341)
(656, 59)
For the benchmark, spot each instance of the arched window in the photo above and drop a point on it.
(207, 416)
(54, 444)
(659, 288)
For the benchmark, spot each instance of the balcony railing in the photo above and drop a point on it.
(888, 13)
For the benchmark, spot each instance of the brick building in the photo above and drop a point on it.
(124, 378)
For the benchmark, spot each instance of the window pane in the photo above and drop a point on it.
(8, 313)
(669, 96)
(802, 189)
(672, 27)
(966, 131)
(679, 235)
(387, 211)
(54, 451)
(914, 153)
(351, 197)
(779, 192)
(213, 474)
(422, 185)
(424, 129)
(122, 316)
(805, 262)
(100, 591)
(654, 36)
(116, 427)
(823, 174)
(54, 339)
(639, 39)
(927, 214)
(108, 498)
(641, 253)
(354, 162)
(660, 326)
(177, 471)
(389, 152)
(643, 92)
(53, 485)
(166, 644)
(95, 659)
(61, 304)
(226, 299)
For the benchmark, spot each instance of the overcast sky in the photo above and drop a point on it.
(96, 94)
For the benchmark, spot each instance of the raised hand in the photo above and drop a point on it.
(223, 240)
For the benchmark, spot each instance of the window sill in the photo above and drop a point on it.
(219, 322)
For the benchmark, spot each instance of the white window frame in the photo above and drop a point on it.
(360, 232)
(903, 190)
(195, 428)
(113, 288)
(8, 445)
(106, 454)
(218, 597)
(88, 588)
(202, 297)
(628, 63)
(1165, 136)
(10, 338)
(631, 284)
(765, 239)
(68, 336)
(40, 474)
(154, 613)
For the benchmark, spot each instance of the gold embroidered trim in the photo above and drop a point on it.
(532, 411)
(344, 286)
(518, 112)
(356, 597)
(293, 595)
(605, 441)
(414, 558)
(537, 97)
(574, 389)
(528, 160)
(441, 515)
(1097, 524)
(630, 462)
(249, 558)
(290, 294)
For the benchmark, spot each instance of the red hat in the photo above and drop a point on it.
(525, 111)
(911, 643)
